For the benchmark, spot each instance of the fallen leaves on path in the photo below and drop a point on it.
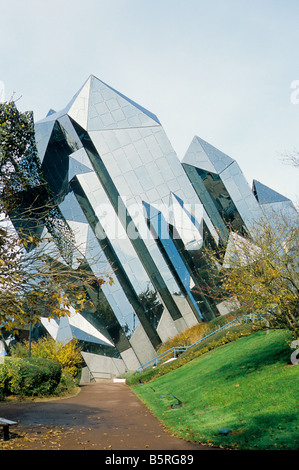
(44, 437)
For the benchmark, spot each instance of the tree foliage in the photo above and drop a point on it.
(42, 270)
(67, 355)
(261, 273)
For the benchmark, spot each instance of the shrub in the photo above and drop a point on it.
(67, 385)
(29, 377)
(196, 332)
(185, 338)
(68, 355)
(4, 386)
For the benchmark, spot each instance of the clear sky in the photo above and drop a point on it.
(219, 69)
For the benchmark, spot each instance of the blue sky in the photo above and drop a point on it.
(219, 69)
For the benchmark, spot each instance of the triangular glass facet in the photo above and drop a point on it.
(266, 195)
(206, 157)
(109, 109)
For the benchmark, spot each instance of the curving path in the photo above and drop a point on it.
(103, 416)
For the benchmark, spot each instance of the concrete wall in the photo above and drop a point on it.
(101, 367)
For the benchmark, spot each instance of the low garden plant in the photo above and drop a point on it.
(67, 355)
(51, 369)
(23, 377)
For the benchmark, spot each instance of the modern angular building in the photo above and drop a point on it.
(138, 212)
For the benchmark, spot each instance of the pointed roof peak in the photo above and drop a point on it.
(98, 107)
(205, 156)
(266, 195)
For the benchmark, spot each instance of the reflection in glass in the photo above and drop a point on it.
(105, 158)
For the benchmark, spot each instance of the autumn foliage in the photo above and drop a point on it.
(42, 270)
(68, 355)
(259, 273)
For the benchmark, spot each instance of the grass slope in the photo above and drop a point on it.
(248, 386)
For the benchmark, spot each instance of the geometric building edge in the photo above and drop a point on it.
(145, 214)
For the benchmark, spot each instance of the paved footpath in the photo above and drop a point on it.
(102, 416)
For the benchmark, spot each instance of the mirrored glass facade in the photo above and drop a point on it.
(138, 212)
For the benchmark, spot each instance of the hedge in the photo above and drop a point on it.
(28, 377)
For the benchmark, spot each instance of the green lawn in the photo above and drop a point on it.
(248, 386)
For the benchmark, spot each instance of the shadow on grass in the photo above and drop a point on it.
(273, 351)
(263, 431)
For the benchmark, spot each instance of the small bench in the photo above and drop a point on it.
(5, 423)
